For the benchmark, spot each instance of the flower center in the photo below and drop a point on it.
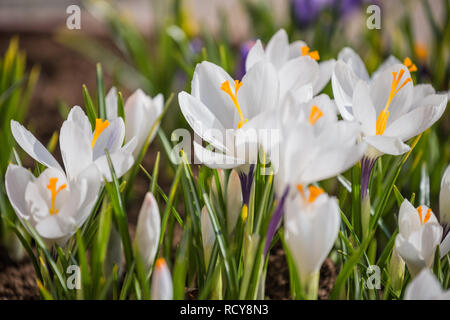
(313, 193)
(409, 64)
(315, 114)
(100, 125)
(54, 192)
(227, 88)
(313, 54)
(395, 88)
(427, 215)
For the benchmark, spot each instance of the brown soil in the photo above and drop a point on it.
(277, 282)
(17, 280)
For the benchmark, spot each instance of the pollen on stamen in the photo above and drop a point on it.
(313, 54)
(315, 114)
(419, 210)
(409, 64)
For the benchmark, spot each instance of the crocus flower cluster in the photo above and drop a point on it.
(60, 200)
(280, 92)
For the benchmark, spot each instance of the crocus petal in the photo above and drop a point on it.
(390, 61)
(297, 73)
(206, 86)
(255, 55)
(16, 180)
(215, 160)
(380, 89)
(343, 80)
(32, 146)
(277, 49)
(259, 91)
(331, 164)
(141, 112)
(363, 109)
(311, 232)
(148, 230)
(425, 287)
(354, 61)
(122, 162)
(325, 71)
(75, 148)
(111, 102)
(111, 138)
(388, 145)
(444, 247)
(419, 119)
(77, 115)
(201, 120)
(295, 49)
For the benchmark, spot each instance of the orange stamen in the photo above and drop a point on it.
(313, 192)
(100, 125)
(315, 114)
(409, 64)
(384, 114)
(427, 216)
(313, 54)
(419, 209)
(227, 88)
(54, 192)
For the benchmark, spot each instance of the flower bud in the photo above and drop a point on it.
(162, 287)
(148, 230)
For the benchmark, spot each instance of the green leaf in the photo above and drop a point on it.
(119, 210)
(89, 105)
(101, 93)
(347, 268)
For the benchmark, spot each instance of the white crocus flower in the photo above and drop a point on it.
(389, 107)
(82, 146)
(349, 70)
(391, 111)
(419, 234)
(162, 286)
(426, 287)
(307, 155)
(141, 113)
(311, 223)
(52, 204)
(148, 230)
(218, 107)
(296, 64)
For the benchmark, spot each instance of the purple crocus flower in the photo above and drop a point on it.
(306, 11)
